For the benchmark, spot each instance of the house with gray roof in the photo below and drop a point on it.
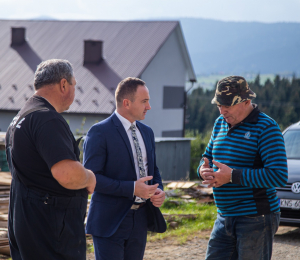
(102, 53)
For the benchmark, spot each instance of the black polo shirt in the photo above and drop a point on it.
(42, 139)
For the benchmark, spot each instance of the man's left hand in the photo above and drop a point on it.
(158, 198)
(221, 176)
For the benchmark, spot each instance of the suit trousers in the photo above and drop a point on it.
(128, 242)
(44, 227)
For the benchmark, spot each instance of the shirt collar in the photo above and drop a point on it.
(125, 122)
(44, 101)
(253, 116)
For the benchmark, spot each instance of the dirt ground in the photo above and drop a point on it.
(286, 247)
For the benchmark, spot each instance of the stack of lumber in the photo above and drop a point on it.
(4, 245)
(5, 181)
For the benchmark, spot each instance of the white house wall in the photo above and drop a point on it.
(166, 69)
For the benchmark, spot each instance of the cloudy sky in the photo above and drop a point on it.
(226, 10)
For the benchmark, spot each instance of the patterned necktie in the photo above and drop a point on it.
(138, 151)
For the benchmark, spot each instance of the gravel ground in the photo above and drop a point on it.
(286, 247)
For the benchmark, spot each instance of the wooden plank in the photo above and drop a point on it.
(3, 217)
(180, 185)
(3, 224)
(188, 185)
(4, 250)
(172, 185)
(4, 200)
(5, 178)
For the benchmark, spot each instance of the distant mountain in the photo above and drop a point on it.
(239, 47)
(44, 17)
(218, 47)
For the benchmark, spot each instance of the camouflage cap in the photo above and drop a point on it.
(232, 90)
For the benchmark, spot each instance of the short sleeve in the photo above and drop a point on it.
(54, 142)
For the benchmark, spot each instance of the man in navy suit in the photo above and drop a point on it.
(121, 152)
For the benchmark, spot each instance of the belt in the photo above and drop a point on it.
(137, 206)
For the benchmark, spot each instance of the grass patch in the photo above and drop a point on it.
(89, 245)
(207, 213)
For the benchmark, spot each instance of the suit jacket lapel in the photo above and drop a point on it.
(124, 136)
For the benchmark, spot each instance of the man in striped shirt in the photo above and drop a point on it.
(244, 161)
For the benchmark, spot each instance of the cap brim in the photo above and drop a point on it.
(215, 101)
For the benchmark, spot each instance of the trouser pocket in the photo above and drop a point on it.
(275, 222)
(60, 215)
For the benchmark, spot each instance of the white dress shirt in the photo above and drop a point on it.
(126, 124)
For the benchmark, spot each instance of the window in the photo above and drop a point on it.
(292, 144)
(173, 97)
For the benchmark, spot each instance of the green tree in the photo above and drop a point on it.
(198, 145)
(278, 98)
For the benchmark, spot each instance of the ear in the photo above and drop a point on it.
(247, 102)
(63, 85)
(126, 103)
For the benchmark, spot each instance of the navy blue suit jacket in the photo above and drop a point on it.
(108, 153)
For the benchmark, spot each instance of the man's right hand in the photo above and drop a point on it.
(143, 190)
(205, 168)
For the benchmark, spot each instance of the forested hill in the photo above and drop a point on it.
(239, 47)
(278, 98)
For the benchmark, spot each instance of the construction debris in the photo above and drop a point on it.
(180, 185)
(175, 202)
(186, 197)
(186, 192)
(172, 217)
(173, 225)
(190, 190)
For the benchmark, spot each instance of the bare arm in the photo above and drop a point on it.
(73, 176)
